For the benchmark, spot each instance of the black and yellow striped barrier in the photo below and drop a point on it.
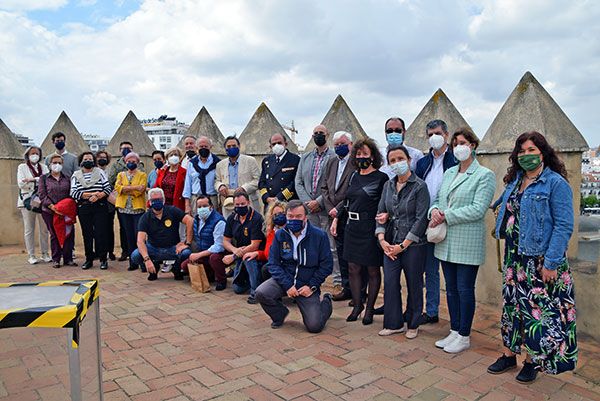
(57, 316)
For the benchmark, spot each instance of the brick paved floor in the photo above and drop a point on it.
(163, 341)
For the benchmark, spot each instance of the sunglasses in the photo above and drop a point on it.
(318, 133)
(390, 130)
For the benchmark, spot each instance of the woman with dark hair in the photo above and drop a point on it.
(535, 217)
(401, 224)
(90, 188)
(462, 201)
(28, 177)
(360, 244)
(103, 159)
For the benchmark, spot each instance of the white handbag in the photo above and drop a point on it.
(436, 234)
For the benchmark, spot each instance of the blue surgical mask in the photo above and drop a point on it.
(241, 210)
(60, 145)
(125, 151)
(279, 219)
(157, 204)
(395, 139)
(204, 212)
(158, 164)
(295, 225)
(131, 165)
(233, 152)
(400, 168)
(342, 150)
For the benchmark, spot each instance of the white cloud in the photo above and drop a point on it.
(385, 57)
(30, 5)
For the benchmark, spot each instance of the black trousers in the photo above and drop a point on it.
(412, 261)
(93, 218)
(339, 245)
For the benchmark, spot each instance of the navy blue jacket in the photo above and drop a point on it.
(314, 263)
(278, 179)
(205, 237)
(424, 164)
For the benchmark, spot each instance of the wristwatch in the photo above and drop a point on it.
(402, 246)
(146, 258)
(313, 288)
(188, 243)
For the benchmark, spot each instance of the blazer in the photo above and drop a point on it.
(178, 200)
(248, 175)
(464, 201)
(138, 198)
(304, 175)
(330, 196)
(26, 189)
(277, 179)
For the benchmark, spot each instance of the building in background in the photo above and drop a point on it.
(95, 142)
(164, 132)
(590, 173)
(25, 140)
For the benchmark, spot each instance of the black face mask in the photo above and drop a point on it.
(319, 139)
(87, 164)
(190, 154)
(102, 162)
(204, 153)
(241, 210)
(363, 163)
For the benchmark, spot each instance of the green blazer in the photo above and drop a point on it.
(469, 196)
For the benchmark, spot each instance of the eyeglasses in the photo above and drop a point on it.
(318, 133)
(390, 130)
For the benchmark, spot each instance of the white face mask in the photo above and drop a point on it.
(436, 141)
(173, 160)
(278, 149)
(56, 167)
(34, 158)
(462, 152)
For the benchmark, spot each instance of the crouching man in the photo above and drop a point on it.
(299, 261)
(158, 236)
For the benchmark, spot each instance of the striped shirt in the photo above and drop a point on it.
(94, 181)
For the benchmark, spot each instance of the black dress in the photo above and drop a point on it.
(362, 199)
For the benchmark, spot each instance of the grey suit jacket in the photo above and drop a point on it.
(330, 196)
(304, 176)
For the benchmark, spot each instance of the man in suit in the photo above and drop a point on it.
(237, 171)
(333, 192)
(278, 173)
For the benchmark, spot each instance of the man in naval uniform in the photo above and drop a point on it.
(278, 172)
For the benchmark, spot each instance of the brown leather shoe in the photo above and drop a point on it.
(342, 295)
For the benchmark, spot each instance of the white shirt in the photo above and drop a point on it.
(341, 166)
(296, 241)
(435, 177)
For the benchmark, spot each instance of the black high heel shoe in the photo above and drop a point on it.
(356, 311)
(368, 317)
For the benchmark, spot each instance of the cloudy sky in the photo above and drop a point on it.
(97, 59)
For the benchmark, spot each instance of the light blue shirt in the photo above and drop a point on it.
(233, 174)
(192, 179)
(152, 176)
(296, 241)
(217, 247)
(341, 166)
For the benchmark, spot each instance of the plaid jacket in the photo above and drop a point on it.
(470, 197)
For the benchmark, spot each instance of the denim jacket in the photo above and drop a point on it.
(546, 217)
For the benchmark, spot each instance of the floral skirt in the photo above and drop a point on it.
(537, 316)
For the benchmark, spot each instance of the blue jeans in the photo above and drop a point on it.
(432, 281)
(246, 276)
(460, 295)
(161, 254)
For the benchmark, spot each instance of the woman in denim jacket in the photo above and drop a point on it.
(535, 217)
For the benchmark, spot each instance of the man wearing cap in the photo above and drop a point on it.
(278, 173)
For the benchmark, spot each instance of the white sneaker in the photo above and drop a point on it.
(32, 260)
(389, 332)
(411, 333)
(447, 340)
(46, 258)
(167, 266)
(459, 344)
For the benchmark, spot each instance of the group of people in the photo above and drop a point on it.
(344, 210)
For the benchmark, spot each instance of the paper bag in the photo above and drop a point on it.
(198, 277)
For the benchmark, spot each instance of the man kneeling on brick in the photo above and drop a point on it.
(209, 226)
(158, 236)
(299, 261)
